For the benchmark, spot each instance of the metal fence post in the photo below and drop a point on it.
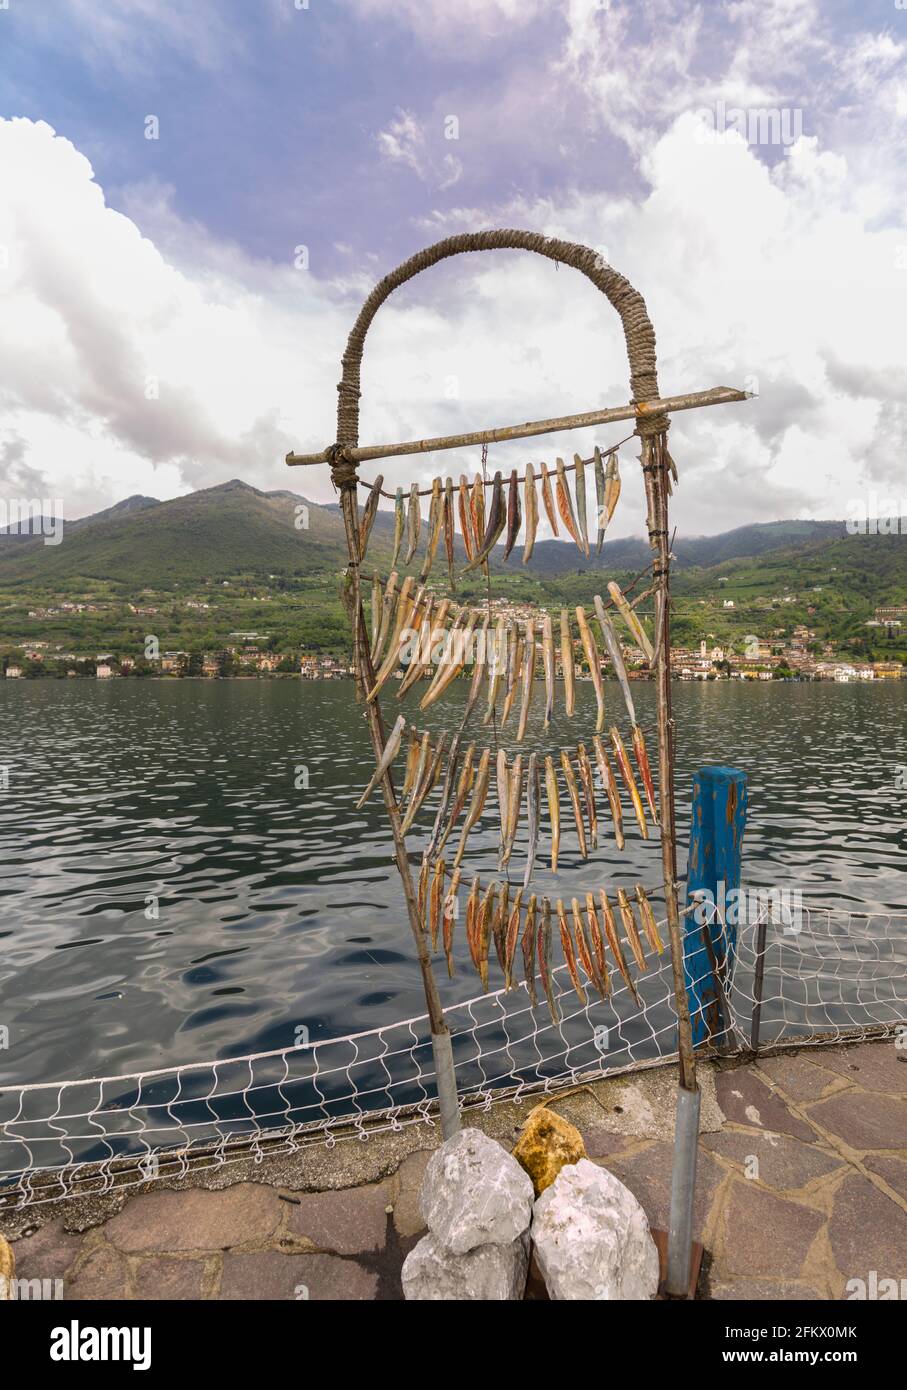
(717, 824)
(758, 977)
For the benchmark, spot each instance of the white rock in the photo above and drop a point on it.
(475, 1193)
(592, 1238)
(489, 1273)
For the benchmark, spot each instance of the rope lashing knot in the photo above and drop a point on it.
(343, 472)
(649, 425)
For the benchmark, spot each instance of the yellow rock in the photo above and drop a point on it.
(7, 1268)
(546, 1143)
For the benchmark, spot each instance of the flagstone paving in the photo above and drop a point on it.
(802, 1186)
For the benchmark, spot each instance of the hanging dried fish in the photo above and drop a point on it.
(514, 514)
(376, 608)
(528, 947)
(564, 504)
(543, 950)
(422, 895)
(626, 772)
(472, 911)
(503, 787)
(399, 525)
(413, 523)
(368, 515)
(514, 802)
(567, 665)
(587, 782)
(610, 786)
(598, 946)
(640, 636)
(388, 605)
(615, 652)
(477, 515)
(528, 680)
(612, 488)
(600, 513)
(449, 918)
(435, 900)
(454, 659)
(465, 519)
(548, 664)
(631, 931)
(532, 805)
(391, 749)
(650, 926)
(424, 780)
(573, 793)
(479, 793)
(407, 609)
(497, 517)
(614, 942)
(435, 524)
(449, 529)
(580, 470)
(514, 672)
(486, 918)
(567, 948)
(532, 513)
(464, 787)
(450, 773)
(412, 762)
(497, 667)
(645, 771)
(511, 938)
(583, 950)
(548, 499)
(499, 922)
(592, 661)
(554, 811)
(434, 622)
(478, 670)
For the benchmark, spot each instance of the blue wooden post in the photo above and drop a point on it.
(713, 867)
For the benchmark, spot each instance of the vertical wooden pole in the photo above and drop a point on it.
(365, 679)
(713, 872)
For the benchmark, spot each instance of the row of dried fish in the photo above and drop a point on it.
(480, 532)
(466, 784)
(491, 917)
(506, 659)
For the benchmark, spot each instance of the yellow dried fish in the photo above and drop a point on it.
(503, 786)
(456, 650)
(648, 920)
(580, 469)
(631, 931)
(638, 632)
(407, 609)
(413, 523)
(528, 680)
(567, 665)
(514, 802)
(399, 525)
(588, 785)
(528, 945)
(548, 664)
(567, 947)
(465, 518)
(391, 748)
(610, 786)
(435, 524)
(515, 678)
(612, 488)
(449, 918)
(478, 670)
(598, 947)
(531, 510)
(464, 787)
(496, 668)
(626, 772)
(614, 942)
(388, 604)
(548, 499)
(554, 811)
(368, 515)
(592, 660)
(479, 793)
(573, 793)
(435, 900)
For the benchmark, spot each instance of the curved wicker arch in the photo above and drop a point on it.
(629, 303)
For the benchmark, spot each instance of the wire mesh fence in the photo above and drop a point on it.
(836, 975)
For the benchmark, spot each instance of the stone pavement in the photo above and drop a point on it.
(802, 1187)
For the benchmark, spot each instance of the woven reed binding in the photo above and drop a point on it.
(629, 303)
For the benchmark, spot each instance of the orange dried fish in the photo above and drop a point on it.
(573, 793)
(614, 943)
(626, 772)
(631, 931)
(567, 947)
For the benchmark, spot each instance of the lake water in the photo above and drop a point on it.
(277, 904)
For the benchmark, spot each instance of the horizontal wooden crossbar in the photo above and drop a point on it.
(718, 395)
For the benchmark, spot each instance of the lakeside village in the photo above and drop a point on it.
(784, 654)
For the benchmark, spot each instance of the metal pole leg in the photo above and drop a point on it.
(683, 1190)
(442, 1051)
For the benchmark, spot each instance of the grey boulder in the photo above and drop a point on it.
(592, 1238)
(475, 1193)
(492, 1273)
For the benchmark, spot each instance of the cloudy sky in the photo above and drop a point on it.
(196, 195)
